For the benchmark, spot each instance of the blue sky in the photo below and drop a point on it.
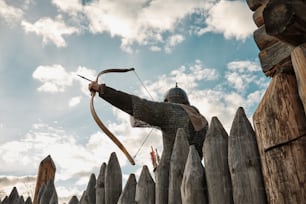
(205, 46)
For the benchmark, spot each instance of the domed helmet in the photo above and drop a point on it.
(176, 95)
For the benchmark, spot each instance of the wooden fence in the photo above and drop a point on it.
(230, 172)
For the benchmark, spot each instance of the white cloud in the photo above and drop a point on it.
(54, 78)
(155, 48)
(241, 66)
(70, 6)
(233, 19)
(173, 41)
(189, 77)
(10, 14)
(74, 101)
(242, 73)
(136, 22)
(147, 23)
(50, 30)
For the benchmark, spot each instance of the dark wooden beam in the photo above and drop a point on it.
(276, 58)
(262, 39)
(254, 4)
(286, 20)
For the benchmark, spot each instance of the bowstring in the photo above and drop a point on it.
(139, 79)
(146, 138)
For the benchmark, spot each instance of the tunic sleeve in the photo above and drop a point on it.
(154, 113)
(118, 99)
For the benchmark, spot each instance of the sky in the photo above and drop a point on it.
(206, 46)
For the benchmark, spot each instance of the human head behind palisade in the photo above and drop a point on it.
(175, 112)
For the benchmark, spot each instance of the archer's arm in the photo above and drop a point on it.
(153, 113)
(117, 98)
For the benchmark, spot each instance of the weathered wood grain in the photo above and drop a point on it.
(47, 193)
(128, 194)
(280, 125)
(91, 189)
(244, 162)
(100, 185)
(262, 39)
(177, 166)
(53, 199)
(215, 153)
(162, 180)
(113, 180)
(276, 58)
(145, 188)
(298, 57)
(193, 188)
(84, 199)
(41, 190)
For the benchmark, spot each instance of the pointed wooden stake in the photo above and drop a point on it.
(244, 162)
(129, 191)
(100, 186)
(193, 186)
(145, 188)
(216, 164)
(113, 180)
(46, 172)
(177, 166)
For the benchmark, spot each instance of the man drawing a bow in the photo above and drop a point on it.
(175, 112)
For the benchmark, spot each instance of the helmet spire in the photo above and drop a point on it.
(176, 95)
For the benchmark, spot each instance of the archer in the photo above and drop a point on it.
(175, 112)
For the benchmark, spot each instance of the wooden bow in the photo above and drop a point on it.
(99, 122)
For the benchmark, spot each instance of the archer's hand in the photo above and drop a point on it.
(95, 87)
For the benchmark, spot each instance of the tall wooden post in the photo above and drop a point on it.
(46, 172)
(298, 57)
(280, 125)
(279, 120)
